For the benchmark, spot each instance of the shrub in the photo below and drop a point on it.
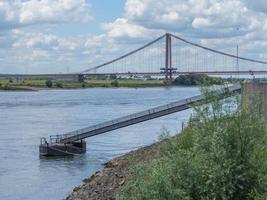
(113, 77)
(115, 83)
(6, 87)
(220, 155)
(196, 80)
(49, 83)
(59, 84)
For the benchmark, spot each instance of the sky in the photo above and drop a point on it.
(58, 36)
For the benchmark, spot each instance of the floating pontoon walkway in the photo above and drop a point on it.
(134, 118)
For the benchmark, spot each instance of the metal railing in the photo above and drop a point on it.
(134, 116)
(184, 102)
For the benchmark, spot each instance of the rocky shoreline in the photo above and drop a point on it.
(106, 185)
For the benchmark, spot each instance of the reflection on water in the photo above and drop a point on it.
(27, 116)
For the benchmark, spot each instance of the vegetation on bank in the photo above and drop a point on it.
(46, 83)
(220, 155)
(112, 81)
(193, 80)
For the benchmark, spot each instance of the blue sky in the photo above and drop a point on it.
(102, 11)
(51, 36)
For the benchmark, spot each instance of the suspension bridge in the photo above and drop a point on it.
(167, 56)
(170, 55)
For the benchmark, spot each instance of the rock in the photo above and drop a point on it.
(122, 182)
(76, 188)
(111, 164)
(107, 184)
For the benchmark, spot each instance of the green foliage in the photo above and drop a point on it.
(165, 134)
(113, 77)
(190, 80)
(49, 83)
(220, 155)
(59, 84)
(256, 196)
(6, 86)
(115, 83)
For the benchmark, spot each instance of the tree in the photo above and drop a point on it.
(59, 84)
(115, 83)
(196, 80)
(113, 77)
(49, 83)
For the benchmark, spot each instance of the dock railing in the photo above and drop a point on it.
(131, 119)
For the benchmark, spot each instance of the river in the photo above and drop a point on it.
(27, 116)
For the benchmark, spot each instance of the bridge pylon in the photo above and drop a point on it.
(168, 70)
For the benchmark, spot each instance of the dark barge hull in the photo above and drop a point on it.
(61, 149)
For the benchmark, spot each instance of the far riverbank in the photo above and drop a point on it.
(35, 85)
(39, 84)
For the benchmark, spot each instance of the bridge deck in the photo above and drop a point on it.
(134, 118)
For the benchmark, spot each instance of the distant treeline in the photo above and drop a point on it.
(191, 80)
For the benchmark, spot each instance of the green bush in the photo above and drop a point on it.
(191, 80)
(6, 87)
(49, 83)
(220, 155)
(59, 84)
(113, 77)
(115, 83)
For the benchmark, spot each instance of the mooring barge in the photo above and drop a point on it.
(55, 146)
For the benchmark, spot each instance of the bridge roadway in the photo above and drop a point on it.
(134, 118)
(62, 76)
(176, 73)
(79, 76)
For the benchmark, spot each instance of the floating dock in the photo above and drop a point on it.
(73, 142)
(56, 148)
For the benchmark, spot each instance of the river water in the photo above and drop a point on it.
(27, 116)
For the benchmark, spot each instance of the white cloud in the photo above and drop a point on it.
(40, 53)
(213, 23)
(200, 22)
(189, 16)
(45, 41)
(15, 14)
(121, 28)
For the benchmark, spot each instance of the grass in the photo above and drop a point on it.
(125, 83)
(20, 84)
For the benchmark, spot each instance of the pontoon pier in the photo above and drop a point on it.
(73, 143)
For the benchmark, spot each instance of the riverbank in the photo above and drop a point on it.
(206, 161)
(107, 184)
(51, 111)
(34, 85)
